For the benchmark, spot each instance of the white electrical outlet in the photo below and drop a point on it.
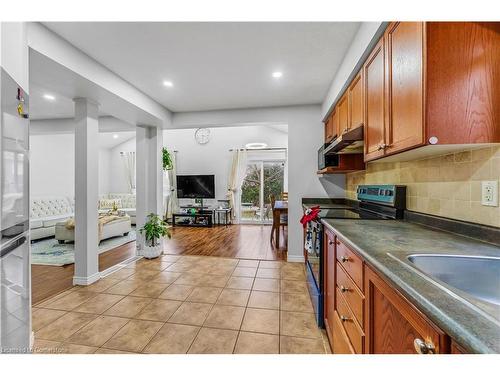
(489, 193)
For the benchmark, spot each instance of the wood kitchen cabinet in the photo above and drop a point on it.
(343, 115)
(364, 314)
(356, 102)
(331, 127)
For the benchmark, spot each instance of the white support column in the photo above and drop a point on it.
(86, 192)
(149, 176)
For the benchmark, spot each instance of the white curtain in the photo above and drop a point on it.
(236, 176)
(129, 163)
(172, 200)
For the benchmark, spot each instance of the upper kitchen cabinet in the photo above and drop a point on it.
(343, 115)
(331, 127)
(433, 84)
(374, 77)
(356, 107)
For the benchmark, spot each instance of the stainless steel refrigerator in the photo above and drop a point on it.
(15, 291)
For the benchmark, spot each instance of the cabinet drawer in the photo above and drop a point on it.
(351, 262)
(351, 293)
(341, 344)
(356, 335)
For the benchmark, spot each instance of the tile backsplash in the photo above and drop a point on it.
(446, 185)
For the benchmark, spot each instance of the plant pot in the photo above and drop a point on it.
(151, 252)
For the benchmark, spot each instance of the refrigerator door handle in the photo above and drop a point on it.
(13, 246)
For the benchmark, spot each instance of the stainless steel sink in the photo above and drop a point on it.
(477, 276)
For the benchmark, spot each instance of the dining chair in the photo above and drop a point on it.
(279, 220)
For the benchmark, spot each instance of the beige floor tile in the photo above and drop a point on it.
(220, 270)
(71, 300)
(226, 317)
(170, 258)
(268, 273)
(266, 285)
(177, 292)
(121, 274)
(151, 290)
(98, 331)
(189, 279)
(165, 277)
(218, 281)
(99, 303)
(191, 313)
(299, 345)
(110, 351)
(293, 286)
(48, 301)
(257, 343)
(261, 320)
(143, 275)
(99, 286)
(152, 265)
(123, 287)
(133, 336)
(296, 302)
(128, 307)
(240, 283)
(172, 339)
(42, 317)
(293, 274)
(299, 324)
(180, 267)
(46, 347)
(244, 272)
(233, 297)
(248, 263)
(270, 264)
(159, 310)
(65, 326)
(264, 300)
(204, 294)
(214, 341)
(68, 348)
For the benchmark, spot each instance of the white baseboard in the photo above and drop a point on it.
(79, 280)
(295, 258)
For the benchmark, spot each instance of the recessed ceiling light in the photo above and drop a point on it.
(168, 83)
(115, 136)
(49, 97)
(277, 74)
(255, 145)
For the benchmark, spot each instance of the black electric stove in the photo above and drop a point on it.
(375, 202)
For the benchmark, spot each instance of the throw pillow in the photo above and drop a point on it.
(107, 204)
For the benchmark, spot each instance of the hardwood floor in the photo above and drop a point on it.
(233, 241)
(49, 280)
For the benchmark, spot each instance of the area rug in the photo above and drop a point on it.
(49, 252)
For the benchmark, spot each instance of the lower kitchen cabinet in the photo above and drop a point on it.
(394, 326)
(372, 318)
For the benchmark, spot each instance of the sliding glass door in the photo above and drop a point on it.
(264, 179)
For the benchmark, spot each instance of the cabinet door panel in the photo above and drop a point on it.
(393, 324)
(343, 115)
(356, 102)
(404, 42)
(374, 72)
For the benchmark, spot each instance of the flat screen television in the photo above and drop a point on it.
(199, 186)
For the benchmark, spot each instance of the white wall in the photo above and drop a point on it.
(14, 51)
(52, 166)
(305, 136)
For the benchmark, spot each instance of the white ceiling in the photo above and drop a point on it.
(218, 65)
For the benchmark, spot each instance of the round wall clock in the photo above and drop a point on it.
(202, 135)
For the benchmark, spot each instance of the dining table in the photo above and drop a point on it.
(280, 208)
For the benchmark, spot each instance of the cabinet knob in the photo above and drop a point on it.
(330, 242)
(344, 259)
(422, 347)
(344, 318)
(344, 289)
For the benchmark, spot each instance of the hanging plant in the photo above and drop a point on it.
(167, 160)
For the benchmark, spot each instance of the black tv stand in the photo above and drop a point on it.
(201, 218)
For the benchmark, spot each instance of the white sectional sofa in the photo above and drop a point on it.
(125, 203)
(47, 211)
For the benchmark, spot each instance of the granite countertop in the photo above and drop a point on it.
(385, 243)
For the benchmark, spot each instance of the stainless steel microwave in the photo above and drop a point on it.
(325, 161)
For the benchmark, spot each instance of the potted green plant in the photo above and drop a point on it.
(153, 231)
(167, 160)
